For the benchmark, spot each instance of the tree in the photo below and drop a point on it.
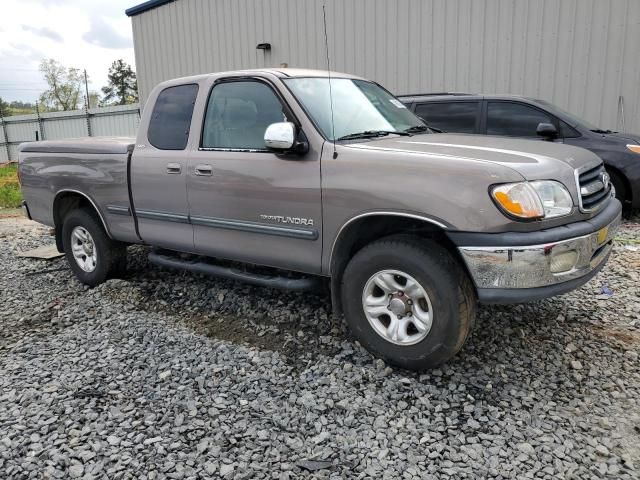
(94, 99)
(64, 86)
(4, 108)
(123, 86)
(20, 105)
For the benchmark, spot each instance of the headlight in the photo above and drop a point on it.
(634, 148)
(533, 200)
(555, 198)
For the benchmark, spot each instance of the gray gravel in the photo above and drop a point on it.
(170, 375)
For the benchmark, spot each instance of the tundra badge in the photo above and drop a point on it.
(289, 220)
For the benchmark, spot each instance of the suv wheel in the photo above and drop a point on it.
(620, 186)
(91, 254)
(407, 301)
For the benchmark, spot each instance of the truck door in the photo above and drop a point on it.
(159, 171)
(246, 202)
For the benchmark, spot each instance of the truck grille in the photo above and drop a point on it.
(594, 188)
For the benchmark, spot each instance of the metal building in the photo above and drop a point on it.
(117, 120)
(579, 54)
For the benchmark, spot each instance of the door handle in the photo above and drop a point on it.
(204, 170)
(174, 168)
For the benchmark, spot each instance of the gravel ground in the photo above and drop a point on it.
(171, 375)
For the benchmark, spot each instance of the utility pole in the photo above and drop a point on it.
(40, 131)
(87, 116)
(86, 88)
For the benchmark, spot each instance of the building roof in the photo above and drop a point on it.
(143, 7)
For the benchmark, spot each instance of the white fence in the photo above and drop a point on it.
(119, 120)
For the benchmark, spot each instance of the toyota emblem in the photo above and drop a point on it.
(604, 178)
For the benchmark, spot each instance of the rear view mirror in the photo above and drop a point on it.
(548, 131)
(280, 136)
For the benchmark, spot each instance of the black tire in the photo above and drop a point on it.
(110, 255)
(621, 187)
(438, 273)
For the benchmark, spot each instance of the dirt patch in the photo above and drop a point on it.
(10, 213)
(626, 338)
(237, 331)
(289, 338)
(12, 220)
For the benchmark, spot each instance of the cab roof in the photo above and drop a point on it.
(420, 97)
(278, 72)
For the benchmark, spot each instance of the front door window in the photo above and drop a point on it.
(238, 113)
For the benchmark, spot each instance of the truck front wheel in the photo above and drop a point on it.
(407, 301)
(91, 254)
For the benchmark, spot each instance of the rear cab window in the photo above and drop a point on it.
(453, 117)
(171, 117)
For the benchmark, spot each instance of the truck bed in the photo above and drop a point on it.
(96, 168)
(91, 145)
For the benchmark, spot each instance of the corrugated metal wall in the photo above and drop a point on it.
(579, 54)
(121, 120)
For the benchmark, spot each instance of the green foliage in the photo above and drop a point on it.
(4, 107)
(123, 86)
(64, 86)
(10, 194)
(18, 105)
(9, 171)
(20, 111)
(94, 99)
(15, 108)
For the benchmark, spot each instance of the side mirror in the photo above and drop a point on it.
(283, 138)
(280, 136)
(548, 131)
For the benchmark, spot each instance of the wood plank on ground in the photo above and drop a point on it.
(46, 252)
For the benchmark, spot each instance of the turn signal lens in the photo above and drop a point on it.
(519, 200)
(634, 148)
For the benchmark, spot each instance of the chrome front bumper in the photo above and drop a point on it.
(536, 266)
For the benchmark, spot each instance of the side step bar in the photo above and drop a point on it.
(198, 266)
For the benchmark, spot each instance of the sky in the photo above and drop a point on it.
(85, 34)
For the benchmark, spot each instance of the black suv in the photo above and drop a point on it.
(517, 116)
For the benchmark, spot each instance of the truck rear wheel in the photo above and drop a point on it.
(91, 254)
(407, 301)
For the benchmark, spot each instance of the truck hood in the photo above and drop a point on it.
(533, 159)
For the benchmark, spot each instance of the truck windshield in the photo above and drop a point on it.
(361, 109)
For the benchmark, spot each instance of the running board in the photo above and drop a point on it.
(199, 266)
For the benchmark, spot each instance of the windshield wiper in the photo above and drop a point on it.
(422, 128)
(416, 129)
(599, 130)
(372, 134)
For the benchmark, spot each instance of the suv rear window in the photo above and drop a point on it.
(455, 117)
(171, 117)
